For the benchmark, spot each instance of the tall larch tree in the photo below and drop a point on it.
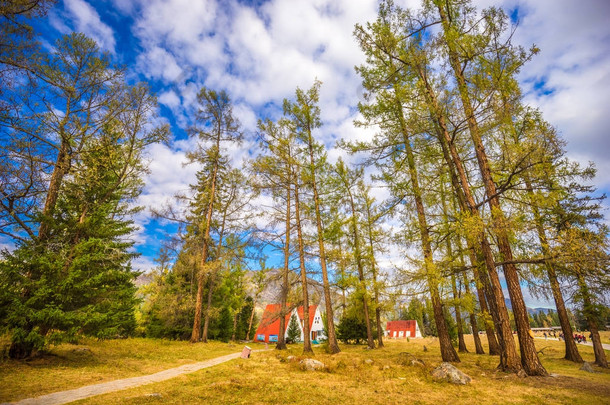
(347, 183)
(216, 127)
(304, 112)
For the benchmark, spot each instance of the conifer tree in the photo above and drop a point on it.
(347, 183)
(305, 115)
(294, 332)
(275, 170)
(71, 217)
(218, 127)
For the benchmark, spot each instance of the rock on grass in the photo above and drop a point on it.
(451, 374)
(311, 364)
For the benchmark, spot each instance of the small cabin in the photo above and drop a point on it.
(403, 329)
(269, 327)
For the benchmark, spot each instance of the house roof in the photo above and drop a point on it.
(401, 325)
(270, 321)
(312, 313)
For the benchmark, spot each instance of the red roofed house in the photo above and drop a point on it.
(269, 327)
(402, 329)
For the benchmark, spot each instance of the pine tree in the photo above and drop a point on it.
(294, 333)
(80, 281)
(218, 126)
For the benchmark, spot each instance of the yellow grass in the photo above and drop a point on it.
(70, 366)
(269, 378)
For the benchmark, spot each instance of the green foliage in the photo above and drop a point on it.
(167, 303)
(79, 281)
(352, 325)
(243, 318)
(72, 276)
(294, 333)
(351, 328)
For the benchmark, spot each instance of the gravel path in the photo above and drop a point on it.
(63, 397)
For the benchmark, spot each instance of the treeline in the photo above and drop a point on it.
(478, 183)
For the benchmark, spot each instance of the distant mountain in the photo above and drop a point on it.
(529, 310)
(273, 289)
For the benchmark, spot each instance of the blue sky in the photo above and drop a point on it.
(260, 51)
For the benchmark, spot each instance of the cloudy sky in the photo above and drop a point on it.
(260, 51)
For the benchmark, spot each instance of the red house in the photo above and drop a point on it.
(269, 327)
(402, 329)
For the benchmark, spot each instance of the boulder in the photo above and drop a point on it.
(290, 359)
(587, 367)
(406, 359)
(368, 361)
(451, 374)
(312, 365)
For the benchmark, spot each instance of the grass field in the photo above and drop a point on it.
(268, 377)
(71, 366)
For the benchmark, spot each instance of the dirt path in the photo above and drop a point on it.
(63, 397)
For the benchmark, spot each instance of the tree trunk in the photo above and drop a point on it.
(233, 336)
(281, 338)
(485, 294)
(61, 168)
(473, 320)
(572, 353)
(456, 300)
(509, 360)
(529, 357)
(448, 353)
(297, 214)
(196, 333)
(369, 221)
(333, 346)
(357, 252)
(342, 270)
(251, 318)
(598, 349)
(211, 277)
(206, 314)
(458, 317)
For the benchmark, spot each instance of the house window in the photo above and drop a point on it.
(260, 338)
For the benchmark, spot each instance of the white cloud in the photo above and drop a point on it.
(170, 99)
(261, 55)
(87, 20)
(143, 263)
(574, 38)
(157, 63)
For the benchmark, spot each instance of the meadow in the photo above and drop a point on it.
(356, 375)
